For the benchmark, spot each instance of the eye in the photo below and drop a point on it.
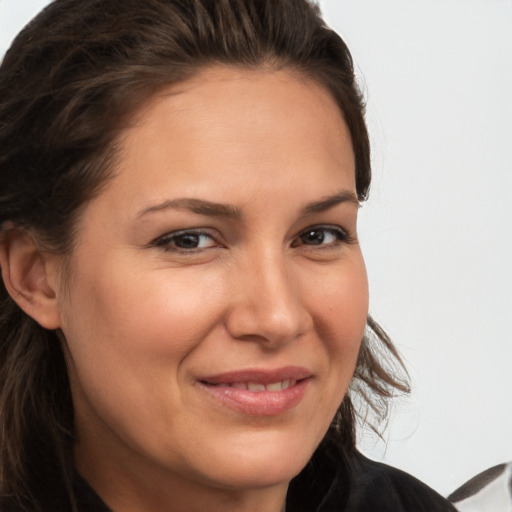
(186, 241)
(323, 236)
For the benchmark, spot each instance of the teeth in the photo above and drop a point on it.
(256, 387)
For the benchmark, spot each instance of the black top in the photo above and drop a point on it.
(370, 487)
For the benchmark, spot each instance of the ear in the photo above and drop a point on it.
(27, 272)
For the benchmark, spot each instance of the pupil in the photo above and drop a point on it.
(314, 237)
(189, 241)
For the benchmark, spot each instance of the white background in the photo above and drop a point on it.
(437, 230)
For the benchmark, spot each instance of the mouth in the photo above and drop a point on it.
(259, 392)
(257, 387)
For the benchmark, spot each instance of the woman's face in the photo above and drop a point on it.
(217, 294)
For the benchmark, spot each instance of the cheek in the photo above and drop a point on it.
(128, 338)
(343, 312)
(343, 305)
(158, 312)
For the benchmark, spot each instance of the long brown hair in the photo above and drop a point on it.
(68, 85)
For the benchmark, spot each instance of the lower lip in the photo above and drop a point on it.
(261, 403)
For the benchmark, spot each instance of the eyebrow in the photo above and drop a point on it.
(344, 196)
(199, 206)
(212, 209)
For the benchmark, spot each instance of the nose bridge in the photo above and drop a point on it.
(268, 305)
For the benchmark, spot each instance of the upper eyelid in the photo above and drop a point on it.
(195, 231)
(173, 234)
(326, 227)
(347, 236)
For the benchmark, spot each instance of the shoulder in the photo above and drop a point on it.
(489, 491)
(379, 487)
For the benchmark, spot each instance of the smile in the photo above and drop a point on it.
(259, 392)
(258, 387)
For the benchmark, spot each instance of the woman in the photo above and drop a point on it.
(185, 301)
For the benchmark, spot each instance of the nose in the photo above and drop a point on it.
(267, 305)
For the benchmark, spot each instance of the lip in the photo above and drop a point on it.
(262, 403)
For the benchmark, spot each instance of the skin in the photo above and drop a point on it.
(144, 319)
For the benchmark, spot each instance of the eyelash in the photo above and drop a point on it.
(341, 236)
(168, 241)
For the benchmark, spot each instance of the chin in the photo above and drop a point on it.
(264, 464)
(257, 476)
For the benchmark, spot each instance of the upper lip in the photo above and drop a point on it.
(259, 375)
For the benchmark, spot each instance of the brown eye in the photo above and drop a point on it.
(321, 236)
(186, 241)
(313, 237)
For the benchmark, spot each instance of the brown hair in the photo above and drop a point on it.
(68, 85)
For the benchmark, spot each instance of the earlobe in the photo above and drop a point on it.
(25, 275)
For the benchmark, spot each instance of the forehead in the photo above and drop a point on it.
(239, 96)
(259, 128)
